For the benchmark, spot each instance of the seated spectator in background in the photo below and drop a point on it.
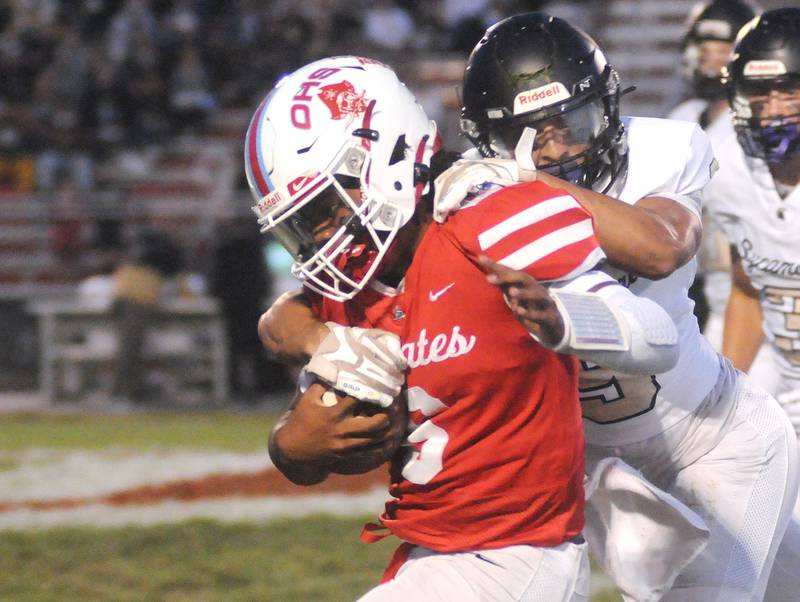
(70, 224)
(190, 96)
(143, 92)
(388, 25)
(137, 289)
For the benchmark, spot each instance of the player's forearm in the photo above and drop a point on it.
(742, 335)
(635, 238)
(290, 330)
(297, 471)
(646, 340)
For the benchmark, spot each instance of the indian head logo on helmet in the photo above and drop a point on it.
(343, 100)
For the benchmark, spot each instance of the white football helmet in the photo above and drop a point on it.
(339, 123)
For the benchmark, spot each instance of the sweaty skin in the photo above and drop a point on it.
(652, 238)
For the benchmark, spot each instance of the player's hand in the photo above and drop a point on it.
(530, 302)
(464, 177)
(319, 434)
(365, 363)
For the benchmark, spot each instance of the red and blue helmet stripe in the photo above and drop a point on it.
(255, 168)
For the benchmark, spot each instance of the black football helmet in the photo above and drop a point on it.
(720, 21)
(532, 70)
(766, 57)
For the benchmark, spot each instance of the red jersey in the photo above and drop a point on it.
(495, 454)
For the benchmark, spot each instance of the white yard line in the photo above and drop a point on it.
(232, 509)
(50, 474)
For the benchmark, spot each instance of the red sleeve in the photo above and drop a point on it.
(531, 227)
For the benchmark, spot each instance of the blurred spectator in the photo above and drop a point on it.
(189, 94)
(17, 170)
(133, 25)
(388, 25)
(59, 111)
(240, 280)
(143, 92)
(70, 225)
(137, 288)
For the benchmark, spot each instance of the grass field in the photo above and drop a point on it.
(314, 558)
(219, 430)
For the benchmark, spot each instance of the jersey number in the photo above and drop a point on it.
(427, 440)
(607, 401)
(788, 301)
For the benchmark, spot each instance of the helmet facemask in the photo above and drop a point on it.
(359, 231)
(586, 126)
(773, 138)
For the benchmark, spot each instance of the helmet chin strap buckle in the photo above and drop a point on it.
(523, 153)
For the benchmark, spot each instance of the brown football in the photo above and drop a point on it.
(370, 459)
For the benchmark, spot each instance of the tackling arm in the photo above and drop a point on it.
(742, 335)
(591, 317)
(652, 238)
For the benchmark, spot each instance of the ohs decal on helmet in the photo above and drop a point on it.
(763, 85)
(537, 71)
(337, 157)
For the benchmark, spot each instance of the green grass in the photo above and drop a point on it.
(312, 559)
(228, 431)
(316, 558)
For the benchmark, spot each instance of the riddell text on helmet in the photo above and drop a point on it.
(540, 97)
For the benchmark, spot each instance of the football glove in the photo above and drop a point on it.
(455, 185)
(367, 364)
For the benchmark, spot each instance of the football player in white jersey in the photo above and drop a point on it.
(701, 431)
(755, 198)
(711, 29)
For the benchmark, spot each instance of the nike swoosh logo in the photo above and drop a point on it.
(434, 296)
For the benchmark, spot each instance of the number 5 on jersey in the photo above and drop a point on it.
(427, 440)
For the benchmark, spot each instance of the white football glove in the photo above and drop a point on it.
(790, 402)
(367, 364)
(465, 176)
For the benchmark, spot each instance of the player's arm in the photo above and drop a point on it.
(290, 329)
(743, 334)
(592, 317)
(312, 436)
(652, 238)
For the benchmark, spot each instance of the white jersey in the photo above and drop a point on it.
(668, 159)
(713, 255)
(765, 229)
(692, 110)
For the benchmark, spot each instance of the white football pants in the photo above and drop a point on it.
(784, 581)
(514, 573)
(734, 462)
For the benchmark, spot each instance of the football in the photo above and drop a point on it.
(370, 459)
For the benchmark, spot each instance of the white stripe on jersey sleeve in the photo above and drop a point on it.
(533, 252)
(525, 218)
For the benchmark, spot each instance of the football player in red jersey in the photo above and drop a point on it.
(487, 491)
